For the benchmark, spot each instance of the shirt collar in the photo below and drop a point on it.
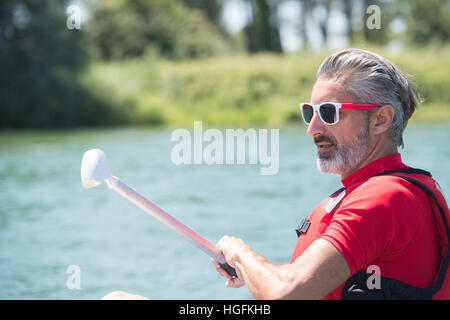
(390, 162)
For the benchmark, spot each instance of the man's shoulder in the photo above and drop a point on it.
(385, 203)
(388, 191)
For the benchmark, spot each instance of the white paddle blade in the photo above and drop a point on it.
(94, 168)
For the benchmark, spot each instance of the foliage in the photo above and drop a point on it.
(170, 62)
(429, 21)
(39, 59)
(127, 28)
(263, 89)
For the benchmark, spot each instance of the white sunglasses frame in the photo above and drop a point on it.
(337, 106)
(316, 108)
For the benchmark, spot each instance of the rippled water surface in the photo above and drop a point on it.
(48, 222)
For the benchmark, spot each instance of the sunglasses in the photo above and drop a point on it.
(329, 111)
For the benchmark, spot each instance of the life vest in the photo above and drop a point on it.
(356, 286)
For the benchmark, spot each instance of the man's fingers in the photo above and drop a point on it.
(231, 282)
(234, 283)
(221, 270)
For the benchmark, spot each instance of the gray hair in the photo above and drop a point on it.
(371, 78)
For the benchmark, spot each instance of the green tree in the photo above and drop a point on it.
(262, 34)
(39, 61)
(126, 28)
(429, 21)
(211, 8)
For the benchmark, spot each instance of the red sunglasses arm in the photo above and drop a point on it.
(360, 106)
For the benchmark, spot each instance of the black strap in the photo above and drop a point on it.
(404, 170)
(337, 191)
(392, 288)
(445, 264)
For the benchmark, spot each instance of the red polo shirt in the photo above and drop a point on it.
(382, 222)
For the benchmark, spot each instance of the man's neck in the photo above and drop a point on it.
(378, 151)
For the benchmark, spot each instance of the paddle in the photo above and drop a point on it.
(95, 170)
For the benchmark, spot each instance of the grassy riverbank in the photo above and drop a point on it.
(262, 89)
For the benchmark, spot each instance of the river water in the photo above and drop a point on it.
(60, 241)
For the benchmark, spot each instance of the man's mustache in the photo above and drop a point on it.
(324, 138)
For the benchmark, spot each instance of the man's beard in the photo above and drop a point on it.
(345, 157)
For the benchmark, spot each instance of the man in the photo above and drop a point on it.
(385, 223)
(360, 105)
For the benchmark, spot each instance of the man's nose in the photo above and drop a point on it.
(316, 126)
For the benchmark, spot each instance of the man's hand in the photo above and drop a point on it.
(318, 271)
(231, 282)
(232, 249)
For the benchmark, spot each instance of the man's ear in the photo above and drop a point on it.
(382, 119)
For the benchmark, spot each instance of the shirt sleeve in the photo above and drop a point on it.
(375, 220)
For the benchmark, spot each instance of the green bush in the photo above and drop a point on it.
(127, 28)
(39, 62)
(263, 89)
